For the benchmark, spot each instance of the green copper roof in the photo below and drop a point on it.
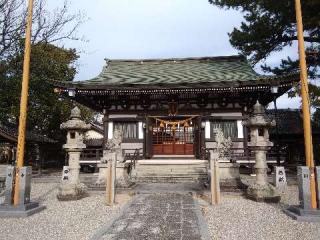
(185, 72)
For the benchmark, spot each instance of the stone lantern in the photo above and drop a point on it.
(71, 188)
(259, 125)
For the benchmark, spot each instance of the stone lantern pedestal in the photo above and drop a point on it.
(70, 187)
(259, 143)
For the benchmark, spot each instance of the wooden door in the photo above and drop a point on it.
(172, 137)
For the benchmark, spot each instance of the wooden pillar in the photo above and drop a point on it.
(306, 105)
(148, 139)
(111, 178)
(215, 181)
(105, 129)
(144, 139)
(23, 105)
(197, 137)
(245, 143)
(202, 138)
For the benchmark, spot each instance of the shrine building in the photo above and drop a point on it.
(168, 108)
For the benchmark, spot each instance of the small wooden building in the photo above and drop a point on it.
(289, 136)
(39, 148)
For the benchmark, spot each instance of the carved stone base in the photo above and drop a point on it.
(303, 215)
(232, 185)
(123, 179)
(230, 177)
(20, 211)
(229, 171)
(102, 176)
(263, 193)
(71, 192)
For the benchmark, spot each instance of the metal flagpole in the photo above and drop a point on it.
(306, 105)
(23, 102)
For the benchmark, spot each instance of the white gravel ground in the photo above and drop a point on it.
(238, 218)
(61, 220)
(235, 219)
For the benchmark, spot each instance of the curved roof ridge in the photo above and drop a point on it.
(234, 70)
(138, 60)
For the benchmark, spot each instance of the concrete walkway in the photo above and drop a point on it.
(157, 216)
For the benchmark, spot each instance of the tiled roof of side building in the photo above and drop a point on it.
(11, 134)
(204, 71)
(290, 121)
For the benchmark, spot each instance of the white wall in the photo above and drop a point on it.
(140, 130)
(110, 130)
(207, 130)
(240, 129)
(92, 134)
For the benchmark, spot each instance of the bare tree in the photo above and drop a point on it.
(48, 27)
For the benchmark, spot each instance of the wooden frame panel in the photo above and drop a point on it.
(169, 140)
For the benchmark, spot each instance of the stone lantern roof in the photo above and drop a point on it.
(258, 109)
(75, 122)
(259, 118)
(75, 113)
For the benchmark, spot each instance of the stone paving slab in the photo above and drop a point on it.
(162, 216)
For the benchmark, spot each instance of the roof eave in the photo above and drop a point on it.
(271, 81)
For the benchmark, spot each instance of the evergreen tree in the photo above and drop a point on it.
(45, 110)
(269, 26)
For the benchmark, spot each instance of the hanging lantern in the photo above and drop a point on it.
(161, 124)
(173, 127)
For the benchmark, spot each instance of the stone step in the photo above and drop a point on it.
(167, 171)
(173, 176)
(173, 156)
(160, 171)
(141, 174)
(170, 179)
(185, 162)
(171, 168)
(153, 173)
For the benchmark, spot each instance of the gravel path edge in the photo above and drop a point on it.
(202, 223)
(104, 229)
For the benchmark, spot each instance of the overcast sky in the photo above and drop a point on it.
(154, 29)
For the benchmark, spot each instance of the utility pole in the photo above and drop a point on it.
(306, 105)
(23, 103)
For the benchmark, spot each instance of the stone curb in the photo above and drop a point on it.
(203, 227)
(104, 229)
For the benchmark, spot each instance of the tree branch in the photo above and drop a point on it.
(47, 27)
(306, 38)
